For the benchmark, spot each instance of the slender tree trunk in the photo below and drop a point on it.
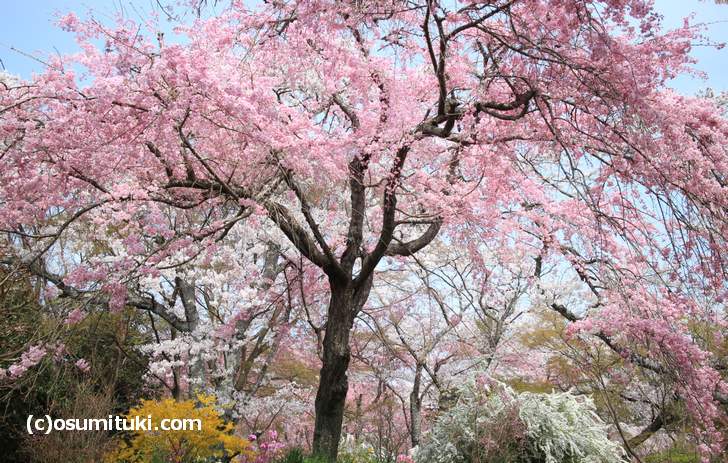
(416, 408)
(359, 414)
(176, 389)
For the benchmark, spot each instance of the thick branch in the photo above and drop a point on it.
(358, 206)
(297, 235)
(388, 210)
(410, 247)
(331, 262)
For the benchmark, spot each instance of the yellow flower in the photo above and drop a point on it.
(213, 438)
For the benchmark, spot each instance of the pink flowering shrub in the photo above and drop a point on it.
(267, 447)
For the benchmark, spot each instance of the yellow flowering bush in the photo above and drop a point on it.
(213, 440)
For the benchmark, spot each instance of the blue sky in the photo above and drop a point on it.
(26, 28)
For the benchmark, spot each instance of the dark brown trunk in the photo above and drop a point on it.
(346, 301)
(176, 390)
(333, 382)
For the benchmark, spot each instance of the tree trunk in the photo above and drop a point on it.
(359, 425)
(176, 389)
(333, 382)
(416, 408)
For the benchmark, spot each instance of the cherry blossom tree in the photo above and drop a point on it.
(354, 134)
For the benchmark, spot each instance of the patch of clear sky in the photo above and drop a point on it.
(27, 30)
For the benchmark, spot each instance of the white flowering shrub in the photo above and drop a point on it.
(565, 428)
(498, 425)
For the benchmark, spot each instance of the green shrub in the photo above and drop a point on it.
(673, 455)
(298, 456)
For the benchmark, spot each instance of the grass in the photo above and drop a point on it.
(298, 456)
